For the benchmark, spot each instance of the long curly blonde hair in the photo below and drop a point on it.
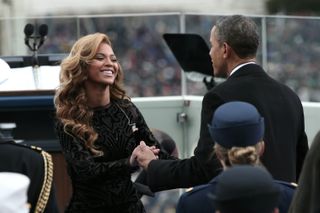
(71, 99)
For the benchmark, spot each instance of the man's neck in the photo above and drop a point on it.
(237, 64)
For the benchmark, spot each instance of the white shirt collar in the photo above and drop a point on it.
(239, 66)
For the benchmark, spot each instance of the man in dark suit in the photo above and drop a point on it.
(35, 164)
(234, 43)
(237, 129)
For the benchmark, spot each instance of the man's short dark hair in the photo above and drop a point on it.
(240, 32)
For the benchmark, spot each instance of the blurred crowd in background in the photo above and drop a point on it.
(289, 51)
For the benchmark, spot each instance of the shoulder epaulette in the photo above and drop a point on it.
(189, 189)
(36, 148)
(197, 188)
(47, 176)
(287, 184)
(294, 184)
(47, 181)
(13, 142)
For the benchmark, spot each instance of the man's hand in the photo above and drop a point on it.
(143, 154)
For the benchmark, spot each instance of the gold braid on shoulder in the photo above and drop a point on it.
(47, 181)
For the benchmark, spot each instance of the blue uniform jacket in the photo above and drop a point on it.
(198, 199)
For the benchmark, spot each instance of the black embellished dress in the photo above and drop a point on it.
(103, 184)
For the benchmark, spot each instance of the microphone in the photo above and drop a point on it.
(28, 31)
(38, 40)
(209, 83)
(43, 32)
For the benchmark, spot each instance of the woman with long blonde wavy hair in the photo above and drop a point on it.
(98, 128)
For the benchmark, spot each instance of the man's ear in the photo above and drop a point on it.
(227, 50)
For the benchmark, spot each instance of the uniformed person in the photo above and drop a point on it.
(36, 164)
(246, 189)
(13, 192)
(237, 129)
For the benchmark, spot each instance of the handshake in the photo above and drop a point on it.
(143, 154)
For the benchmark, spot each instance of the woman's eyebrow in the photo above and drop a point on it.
(102, 54)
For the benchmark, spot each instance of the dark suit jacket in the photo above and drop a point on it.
(306, 198)
(198, 199)
(23, 159)
(285, 139)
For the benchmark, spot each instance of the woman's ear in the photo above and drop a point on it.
(220, 158)
(261, 148)
(276, 210)
(218, 154)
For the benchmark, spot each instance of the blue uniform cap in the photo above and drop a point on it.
(236, 123)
